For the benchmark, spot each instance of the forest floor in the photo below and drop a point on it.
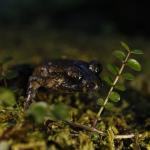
(131, 116)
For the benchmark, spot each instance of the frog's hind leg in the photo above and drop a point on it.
(34, 84)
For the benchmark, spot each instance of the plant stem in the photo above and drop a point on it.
(113, 85)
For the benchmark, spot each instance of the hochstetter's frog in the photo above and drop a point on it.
(65, 76)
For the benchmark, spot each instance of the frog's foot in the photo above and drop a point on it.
(34, 84)
(30, 98)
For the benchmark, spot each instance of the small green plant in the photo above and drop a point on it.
(118, 73)
(40, 110)
(5, 73)
(7, 98)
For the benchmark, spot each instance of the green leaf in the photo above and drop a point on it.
(60, 111)
(100, 101)
(108, 80)
(120, 87)
(38, 111)
(125, 46)
(109, 106)
(95, 137)
(138, 52)
(7, 97)
(134, 64)
(11, 74)
(119, 54)
(114, 96)
(113, 69)
(128, 76)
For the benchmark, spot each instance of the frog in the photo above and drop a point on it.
(64, 75)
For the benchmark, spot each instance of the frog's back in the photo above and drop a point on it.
(66, 63)
(66, 66)
(59, 66)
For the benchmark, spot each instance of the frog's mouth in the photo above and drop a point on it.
(91, 86)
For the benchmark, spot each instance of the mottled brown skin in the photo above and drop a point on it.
(66, 76)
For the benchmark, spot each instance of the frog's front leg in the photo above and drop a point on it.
(34, 84)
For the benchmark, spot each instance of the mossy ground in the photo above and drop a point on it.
(130, 115)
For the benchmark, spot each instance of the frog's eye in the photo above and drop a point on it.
(95, 67)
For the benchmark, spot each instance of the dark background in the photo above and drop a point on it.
(129, 17)
(35, 30)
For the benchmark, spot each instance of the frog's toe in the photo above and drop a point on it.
(28, 101)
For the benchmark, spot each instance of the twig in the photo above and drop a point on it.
(84, 127)
(127, 136)
(92, 129)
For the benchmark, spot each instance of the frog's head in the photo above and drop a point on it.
(90, 77)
